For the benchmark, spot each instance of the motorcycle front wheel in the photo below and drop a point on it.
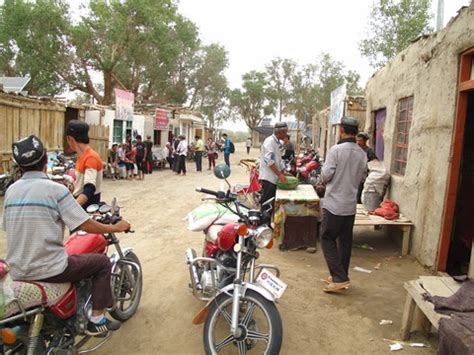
(127, 285)
(259, 322)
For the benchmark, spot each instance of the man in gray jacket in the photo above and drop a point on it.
(344, 169)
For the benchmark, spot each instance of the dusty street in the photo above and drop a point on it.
(313, 322)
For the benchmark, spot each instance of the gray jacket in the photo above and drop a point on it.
(344, 169)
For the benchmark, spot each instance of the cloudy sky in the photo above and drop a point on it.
(255, 31)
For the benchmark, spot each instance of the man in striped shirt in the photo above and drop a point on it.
(89, 164)
(36, 210)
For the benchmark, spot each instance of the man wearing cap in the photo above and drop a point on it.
(270, 170)
(344, 169)
(89, 165)
(36, 210)
(362, 139)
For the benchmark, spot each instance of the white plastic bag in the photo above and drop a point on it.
(207, 214)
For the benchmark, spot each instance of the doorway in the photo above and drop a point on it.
(379, 145)
(463, 229)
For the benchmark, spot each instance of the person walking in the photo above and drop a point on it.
(248, 145)
(345, 167)
(149, 155)
(227, 149)
(140, 158)
(182, 151)
(199, 149)
(175, 154)
(270, 170)
(211, 153)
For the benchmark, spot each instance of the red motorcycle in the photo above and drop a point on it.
(47, 318)
(308, 169)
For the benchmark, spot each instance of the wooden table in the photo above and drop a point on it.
(434, 285)
(363, 218)
(299, 209)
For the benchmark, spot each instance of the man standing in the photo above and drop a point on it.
(149, 155)
(199, 149)
(112, 161)
(182, 151)
(345, 167)
(248, 144)
(362, 139)
(36, 210)
(89, 165)
(270, 170)
(227, 149)
(140, 158)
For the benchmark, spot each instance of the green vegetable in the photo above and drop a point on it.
(291, 183)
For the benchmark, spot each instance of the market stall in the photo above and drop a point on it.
(296, 218)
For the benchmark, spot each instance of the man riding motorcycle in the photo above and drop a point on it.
(36, 210)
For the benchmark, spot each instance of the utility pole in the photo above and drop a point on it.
(440, 15)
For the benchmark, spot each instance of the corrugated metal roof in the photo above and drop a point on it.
(293, 125)
(266, 122)
(14, 84)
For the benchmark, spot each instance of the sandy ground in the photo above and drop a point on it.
(313, 322)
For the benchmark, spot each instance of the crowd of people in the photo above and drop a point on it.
(134, 158)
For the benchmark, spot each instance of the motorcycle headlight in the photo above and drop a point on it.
(263, 236)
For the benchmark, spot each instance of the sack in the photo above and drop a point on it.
(232, 147)
(207, 214)
(388, 210)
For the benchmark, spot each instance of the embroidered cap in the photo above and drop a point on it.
(28, 151)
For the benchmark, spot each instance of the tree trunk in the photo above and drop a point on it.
(108, 97)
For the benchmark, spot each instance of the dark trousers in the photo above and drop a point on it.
(227, 159)
(336, 242)
(176, 163)
(182, 164)
(198, 161)
(95, 266)
(268, 191)
(149, 164)
(170, 162)
(212, 160)
(248, 150)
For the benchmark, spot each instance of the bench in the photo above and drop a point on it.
(363, 218)
(417, 311)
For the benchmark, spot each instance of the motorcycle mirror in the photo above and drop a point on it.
(222, 171)
(92, 208)
(105, 209)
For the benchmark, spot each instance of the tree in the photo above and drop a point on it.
(393, 25)
(31, 42)
(252, 103)
(208, 84)
(279, 74)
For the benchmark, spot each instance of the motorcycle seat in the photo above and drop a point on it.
(34, 294)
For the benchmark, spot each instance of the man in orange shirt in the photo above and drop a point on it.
(89, 164)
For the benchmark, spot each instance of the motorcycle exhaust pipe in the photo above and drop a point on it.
(190, 255)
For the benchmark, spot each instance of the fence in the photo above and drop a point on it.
(21, 116)
(99, 139)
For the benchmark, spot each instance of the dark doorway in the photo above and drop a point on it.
(379, 144)
(463, 228)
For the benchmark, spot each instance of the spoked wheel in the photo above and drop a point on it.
(127, 284)
(261, 331)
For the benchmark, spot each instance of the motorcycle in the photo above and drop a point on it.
(9, 178)
(240, 294)
(61, 169)
(46, 318)
(308, 169)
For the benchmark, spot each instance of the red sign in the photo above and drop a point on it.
(162, 119)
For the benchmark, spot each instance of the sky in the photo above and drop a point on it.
(256, 31)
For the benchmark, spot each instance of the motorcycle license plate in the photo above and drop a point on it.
(271, 283)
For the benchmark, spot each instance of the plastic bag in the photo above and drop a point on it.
(207, 214)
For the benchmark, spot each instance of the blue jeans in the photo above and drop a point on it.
(227, 159)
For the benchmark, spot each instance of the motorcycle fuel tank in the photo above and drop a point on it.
(85, 243)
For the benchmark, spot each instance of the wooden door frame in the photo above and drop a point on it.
(465, 84)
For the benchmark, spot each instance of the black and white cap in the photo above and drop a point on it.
(28, 151)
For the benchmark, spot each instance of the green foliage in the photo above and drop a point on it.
(253, 102)
(279, 74)
(32, 42)
(393, 25)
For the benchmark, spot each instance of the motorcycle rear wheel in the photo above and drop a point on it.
(220, 309)
(124, 288)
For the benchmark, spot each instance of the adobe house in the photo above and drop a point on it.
(420, 112)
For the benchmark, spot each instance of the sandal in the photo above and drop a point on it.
(337, 286)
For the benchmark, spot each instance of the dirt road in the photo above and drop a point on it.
(313, 322)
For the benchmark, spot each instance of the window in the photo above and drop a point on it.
(405, 112)
(128, 130)
(117, 133)
(157, 137)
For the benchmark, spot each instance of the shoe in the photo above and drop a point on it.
(337, 286)
(107, 325)
(327, 280)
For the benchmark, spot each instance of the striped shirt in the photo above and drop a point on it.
(36, 211)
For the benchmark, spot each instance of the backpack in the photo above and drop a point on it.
(232, 147)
